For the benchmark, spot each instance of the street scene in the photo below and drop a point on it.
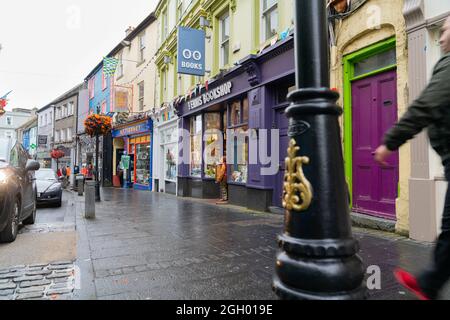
(256, 150)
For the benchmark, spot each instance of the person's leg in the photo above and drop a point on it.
(433, 279)
(225, 191)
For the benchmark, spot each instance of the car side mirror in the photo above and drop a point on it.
(32, 165)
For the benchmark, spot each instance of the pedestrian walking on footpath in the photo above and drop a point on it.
(221, 179)
(430, 111)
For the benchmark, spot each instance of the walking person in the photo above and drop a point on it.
(432, 111)
(221, 179)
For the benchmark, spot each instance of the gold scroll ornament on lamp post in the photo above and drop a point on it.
(295, 182)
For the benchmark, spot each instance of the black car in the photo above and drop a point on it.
(49, 190)
(17, 189)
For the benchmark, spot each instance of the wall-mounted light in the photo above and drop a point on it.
(167, 59)
(204, 22)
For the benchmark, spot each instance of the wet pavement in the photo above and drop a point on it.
(39, 264)
(153, 246)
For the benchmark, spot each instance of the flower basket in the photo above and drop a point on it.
(97, 124)
(57, 154)
(340, 5)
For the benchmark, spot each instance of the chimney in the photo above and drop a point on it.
(129, 30)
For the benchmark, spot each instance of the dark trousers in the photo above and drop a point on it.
(432, 280)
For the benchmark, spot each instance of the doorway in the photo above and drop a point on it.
(370, 109)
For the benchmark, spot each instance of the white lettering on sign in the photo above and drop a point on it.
(192, 65)
(211, 95)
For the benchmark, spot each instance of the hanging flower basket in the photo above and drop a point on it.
(57, 154)
(97, 124)
(340, 5)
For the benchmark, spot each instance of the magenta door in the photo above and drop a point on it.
(374, 109)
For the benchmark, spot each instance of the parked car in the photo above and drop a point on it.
(49, 189)
(17, 189)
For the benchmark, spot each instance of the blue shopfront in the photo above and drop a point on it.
(134, 139)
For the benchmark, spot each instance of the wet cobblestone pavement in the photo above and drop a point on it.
(55, 281)
(153, 246)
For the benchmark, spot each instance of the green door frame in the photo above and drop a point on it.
(349, 76)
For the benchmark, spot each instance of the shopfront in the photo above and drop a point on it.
(227, 119)
(136, 141)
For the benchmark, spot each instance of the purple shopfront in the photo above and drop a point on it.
(248, 98)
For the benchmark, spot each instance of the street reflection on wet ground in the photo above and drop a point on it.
(146, 245)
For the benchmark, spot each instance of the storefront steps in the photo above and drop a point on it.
(358, 220)
(365, 221)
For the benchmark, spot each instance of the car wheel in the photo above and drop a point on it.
(9, 234)
(32, 218)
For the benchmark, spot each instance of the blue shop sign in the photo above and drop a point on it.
(135, 129)
(191, 51)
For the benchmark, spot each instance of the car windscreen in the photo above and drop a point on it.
(45, 175)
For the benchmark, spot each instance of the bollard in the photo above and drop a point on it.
(89, 200)
(80, 184)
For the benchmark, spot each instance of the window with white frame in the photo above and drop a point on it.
(103, 110)
(56, 135)
(71, 107)
(141, 95)
(46, 120)
(142, 47)
(91, 87)
(224, 38)
(165, 23)
(8, 134)
(51, 118)
(63, 135)
(269, 18)
(120, 57)
(41, 120)
(69, 134)
(9, 121)
(164, 81)
(66, 110)
(103, 81)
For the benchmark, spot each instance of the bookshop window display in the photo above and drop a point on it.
(196, 146)
(238, 123)
(170, 143)
(213, 145)
(141, 149)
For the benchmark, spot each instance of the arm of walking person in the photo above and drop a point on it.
(425, 109)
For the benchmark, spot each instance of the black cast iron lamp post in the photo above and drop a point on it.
(318, 258)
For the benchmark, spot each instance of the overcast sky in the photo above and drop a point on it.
(50, 46)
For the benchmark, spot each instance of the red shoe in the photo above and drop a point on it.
(409, 281)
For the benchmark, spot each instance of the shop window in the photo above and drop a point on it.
(239, 172)
(196, 146)
(170, 164)
(238, 124)
(143, 164)
(376, 62)
(169, 140)
(213, 149)
(283, 92)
